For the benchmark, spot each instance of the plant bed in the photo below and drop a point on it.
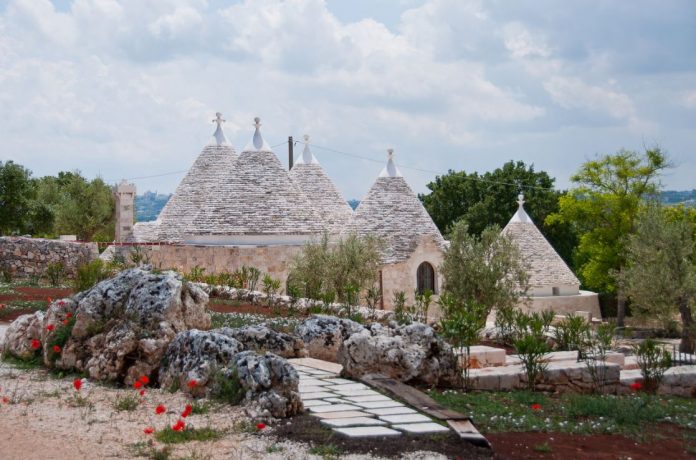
(324, 441)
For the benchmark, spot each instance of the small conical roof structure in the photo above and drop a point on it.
(211, 167)
(259, 198)
(321, 192)
(546, 267)
(391, 211)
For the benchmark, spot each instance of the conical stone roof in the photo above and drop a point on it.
(259, 198)
(391, 211)
(213, 165)
(546, 267)
(321, 192)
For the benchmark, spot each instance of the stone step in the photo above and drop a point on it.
(367, 431)
(421, 428)
(353, 421)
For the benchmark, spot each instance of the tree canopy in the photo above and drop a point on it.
(16, 193)
(491, 199)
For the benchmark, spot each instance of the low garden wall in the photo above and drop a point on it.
(27, 257)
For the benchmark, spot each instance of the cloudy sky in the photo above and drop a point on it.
(126, 89)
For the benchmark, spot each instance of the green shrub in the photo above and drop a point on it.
(373, 296)
(196, 274)
(653, 361)
(571, 333)
(532, 349)
(227, 387)
(89, 274)
(270, 288)
(128, 403)
(505, 323)
(55, 271)
(169, 436)
(253, 278)
(400, 314)
(422, 305)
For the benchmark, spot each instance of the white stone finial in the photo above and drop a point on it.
(257, 142)
(257, 122)
(219, 134)
(307, 157)
(520, 199)
(306, 139)
(521, 215)
(390, 170)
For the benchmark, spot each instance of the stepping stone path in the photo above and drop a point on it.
(354, 409)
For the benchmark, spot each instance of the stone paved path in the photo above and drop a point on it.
(353, 408)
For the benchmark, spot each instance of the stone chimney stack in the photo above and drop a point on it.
(125, 211)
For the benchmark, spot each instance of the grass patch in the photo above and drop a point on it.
(570, 413)
(22, 364)
(147, 450)
(126, 403)
(274, 448)
(245, 426)
(227, 389)
(543, 448)
(200, 408)
(169, 436)
(326, 451)
(23, 305)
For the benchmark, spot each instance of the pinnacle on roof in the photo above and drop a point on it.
(307, 156)
(219, 134)
(546, 267)
(321, 192)
(390, 170)
(257, 144)
(392, 212)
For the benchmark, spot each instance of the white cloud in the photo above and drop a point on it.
(689, 99)
(573, 93)
(181, 20)
(522, 43)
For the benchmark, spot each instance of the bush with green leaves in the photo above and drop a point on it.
(89, 274)
(653, 361)
(400, 314)
(531, 347)
(346, 267)
(419, 311)
(571, 333)
(55, 272)
(594, 351)
(227, 387)
(196, 274)
(373, 296)
(461, 326)
(270, 287)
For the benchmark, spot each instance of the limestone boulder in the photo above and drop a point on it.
(20, 334)
(411, 353)
(198, 356)
(123, 325)
(270, 383)
(323, 335)
(262, 338)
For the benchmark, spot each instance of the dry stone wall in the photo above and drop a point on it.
(25, 257)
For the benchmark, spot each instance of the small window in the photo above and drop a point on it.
(556, 291)
(425, 278)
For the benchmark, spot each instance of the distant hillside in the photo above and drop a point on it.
(148, 205)
(686, 197)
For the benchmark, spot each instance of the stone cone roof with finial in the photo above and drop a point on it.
(259, 198)
(177, 218)
(321, 192)
(546, 267)
(392, 212)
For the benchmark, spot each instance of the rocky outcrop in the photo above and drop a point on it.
(271, 385)
(412, 354)
(21, 333)
(197, 356)
(262, 338)
(323, 335)
(119, 329)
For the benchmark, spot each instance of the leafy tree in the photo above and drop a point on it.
(491, 199)
(344, 268)
(16, 193)
(660, 272)
(603, 209)
(486, 270)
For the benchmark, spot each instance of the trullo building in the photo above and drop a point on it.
(552, 284)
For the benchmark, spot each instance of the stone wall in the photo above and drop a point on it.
(26, 257)
(564, 305)
(402, 276)
(274, 260)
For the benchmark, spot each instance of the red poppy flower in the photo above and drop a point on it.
(56, 348)
(192, 384)
(77, 383)
(2, 305)
(35, 344)
(69, 315)
(187, 410)
(536, 406)
(5, 400)
(144, 379)
(142, 392)
(66, 322)
(50, 300)
(61, 303)
(137, 384)
(179, 425)
(260, 426)
(50, 327)
(160, 409)
(636, 386)
(149, 430)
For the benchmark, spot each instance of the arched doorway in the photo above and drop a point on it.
(425, 278)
